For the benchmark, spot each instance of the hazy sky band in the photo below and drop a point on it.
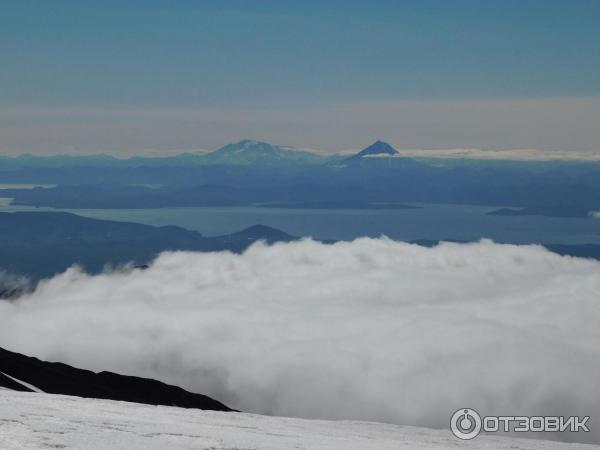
(545, 124)
(271, 57)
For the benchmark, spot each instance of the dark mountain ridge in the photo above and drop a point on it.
(59, 378)
(36, 245)
(42, 244)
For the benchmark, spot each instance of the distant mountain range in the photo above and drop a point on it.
(25, 374)
(248, 152)
(252, 173)
(41, 244)
(244, 153)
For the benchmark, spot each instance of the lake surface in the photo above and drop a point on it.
(24, 186)
(432, 221)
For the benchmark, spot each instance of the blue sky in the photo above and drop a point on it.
(282, 56)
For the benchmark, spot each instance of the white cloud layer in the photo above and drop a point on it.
(371, 329)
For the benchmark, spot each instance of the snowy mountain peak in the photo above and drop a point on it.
(251, 145)
(249, 152)
(378, 148)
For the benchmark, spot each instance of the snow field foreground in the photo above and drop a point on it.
(41, 421)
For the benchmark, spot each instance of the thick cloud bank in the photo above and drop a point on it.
(372, 329)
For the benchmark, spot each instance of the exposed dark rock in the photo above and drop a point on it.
(58, 378)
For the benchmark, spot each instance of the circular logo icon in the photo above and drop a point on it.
(465, 423)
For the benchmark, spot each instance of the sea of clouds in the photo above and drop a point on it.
(371, 329)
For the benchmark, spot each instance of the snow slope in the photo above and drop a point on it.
(42, 421)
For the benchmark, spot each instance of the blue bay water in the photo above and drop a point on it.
(431, 221)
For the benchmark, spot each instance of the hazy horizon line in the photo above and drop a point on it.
(508, 154)
(538, 125)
